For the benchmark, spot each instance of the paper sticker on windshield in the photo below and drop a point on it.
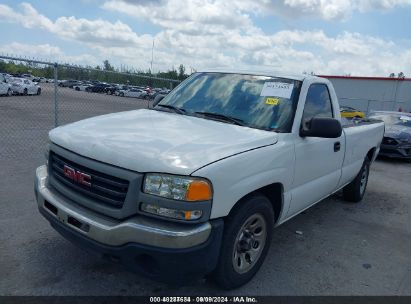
(272, 101)
(278, 89)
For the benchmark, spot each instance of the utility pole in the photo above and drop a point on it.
(152, 53)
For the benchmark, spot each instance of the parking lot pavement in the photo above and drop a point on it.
(344, 248)
(25, 120)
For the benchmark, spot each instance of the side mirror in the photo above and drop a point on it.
(321, 127)
(157, 99)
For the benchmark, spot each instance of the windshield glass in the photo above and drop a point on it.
(260, 102)
(398, 119)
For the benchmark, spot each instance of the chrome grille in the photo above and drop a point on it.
(105, 189)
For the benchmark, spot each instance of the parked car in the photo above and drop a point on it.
(349, 112)
(121, 88)
(97, 88)
(137, 93)
(197, 184)
(397, 137)
(39, 79)
(69, 83)
(82, 86)
(25, 87)
(5, 87)
(111, 89)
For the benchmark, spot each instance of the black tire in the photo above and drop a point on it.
(25, 91)
(354, 191)
(226, 275)
(121, 94)
(38, 91)
(9, 93)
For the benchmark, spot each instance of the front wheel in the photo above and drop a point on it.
(38, 91)
(9, 93)
(246, 240)
(25, 92)
(354, 191)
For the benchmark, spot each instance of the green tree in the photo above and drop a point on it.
(181, 72)
(107, 66)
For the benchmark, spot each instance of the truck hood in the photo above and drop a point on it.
(154, 141)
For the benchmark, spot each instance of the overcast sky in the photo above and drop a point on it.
(364, 37)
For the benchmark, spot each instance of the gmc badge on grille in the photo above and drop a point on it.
(77, 176)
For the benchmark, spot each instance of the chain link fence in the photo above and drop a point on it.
(38, 96)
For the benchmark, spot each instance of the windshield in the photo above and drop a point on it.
(260, 102)
(391, 120)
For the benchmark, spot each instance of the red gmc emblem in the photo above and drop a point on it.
(77, 176)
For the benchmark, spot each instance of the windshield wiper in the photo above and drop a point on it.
(175, 109)
(233, 120)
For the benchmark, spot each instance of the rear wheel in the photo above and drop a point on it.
(121, 94)
(246, 241)
(354, 191)
(38, 91)
(9, 93)
(25, 91)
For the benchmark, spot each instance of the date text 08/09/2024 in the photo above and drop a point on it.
(237, 299)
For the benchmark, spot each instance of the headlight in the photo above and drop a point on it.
(182, 188)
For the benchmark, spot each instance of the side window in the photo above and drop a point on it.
(318, 103)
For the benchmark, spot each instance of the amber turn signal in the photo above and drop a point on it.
(198, 191)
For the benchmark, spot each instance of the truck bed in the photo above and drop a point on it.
(349, 123)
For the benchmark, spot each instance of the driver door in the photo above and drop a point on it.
(318, 160)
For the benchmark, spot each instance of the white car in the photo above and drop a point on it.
(136, 93)
(5, 88)
(82, 87)
(24, 86)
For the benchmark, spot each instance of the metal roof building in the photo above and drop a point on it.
(373, 93)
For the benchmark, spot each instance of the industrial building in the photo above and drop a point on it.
(373, 93)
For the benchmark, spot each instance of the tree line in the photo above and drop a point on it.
(105, 73)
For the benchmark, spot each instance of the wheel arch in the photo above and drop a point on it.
(273, 192)
(371, 154)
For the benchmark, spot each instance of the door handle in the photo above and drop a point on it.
(337, 146)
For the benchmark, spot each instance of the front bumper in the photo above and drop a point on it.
(396, 151)
(159, 249)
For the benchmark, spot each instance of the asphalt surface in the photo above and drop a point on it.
(344, 248)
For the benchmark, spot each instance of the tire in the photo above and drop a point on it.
(9, 93)
(121, 94)
(25, 92)
(236, 266)
(38, 91)
(354, 191)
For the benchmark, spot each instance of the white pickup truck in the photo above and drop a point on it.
(197, 184)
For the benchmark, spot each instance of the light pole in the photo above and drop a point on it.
(152, 53)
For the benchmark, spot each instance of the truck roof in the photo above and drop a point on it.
(299, 77)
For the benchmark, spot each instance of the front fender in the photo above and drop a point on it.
(236, 176)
